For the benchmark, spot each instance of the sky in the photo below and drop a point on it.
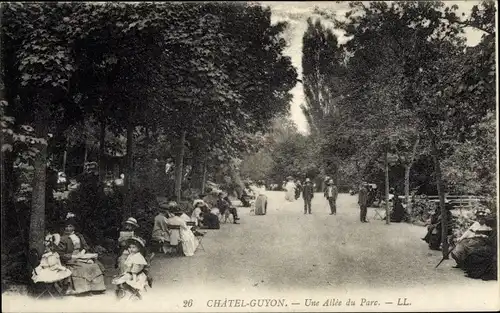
(296, 14)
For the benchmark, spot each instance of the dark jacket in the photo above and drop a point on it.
(335, 191)
(308, 191)
(66, 248)
(363, 196)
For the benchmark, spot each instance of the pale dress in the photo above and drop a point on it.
(132, 272)
(50, 269)
(290, 191)
(184, 235)
(260, 201)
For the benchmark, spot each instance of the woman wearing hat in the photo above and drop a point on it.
(189, 241)
(261, 200)
(129, 230)
(196, 216)
(87, 272)
(290, 189)
(161, 233)
(476, 236)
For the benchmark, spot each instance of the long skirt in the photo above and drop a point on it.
(261, 205)
(465, 247)
(481, 263)
(189, 242)
(86, 277)
(290, 195)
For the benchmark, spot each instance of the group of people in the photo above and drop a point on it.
(475, 250)
(255, 194)
(73, 267)
(294, 188)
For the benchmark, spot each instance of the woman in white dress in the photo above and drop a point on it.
(188, 239)
(261, 200)
(290, 189)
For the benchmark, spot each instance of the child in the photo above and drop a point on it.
(50, 269)
(132, 270)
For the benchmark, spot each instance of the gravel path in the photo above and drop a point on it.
(288, 254)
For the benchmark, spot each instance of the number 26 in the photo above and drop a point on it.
(188, 303)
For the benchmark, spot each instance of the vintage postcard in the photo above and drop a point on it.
(255, 156)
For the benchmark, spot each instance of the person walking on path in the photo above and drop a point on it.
(363, 202)
(307, 194)
(331, 194)
(290, 189)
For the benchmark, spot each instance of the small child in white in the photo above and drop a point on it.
(132, 275)
(50, 269)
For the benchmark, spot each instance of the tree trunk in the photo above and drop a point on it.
(204, 176)
(387, 209)
(236, 178)
(37, 216)
(407, 188)
(179, 166)
(85, 156)
(444, 215)
(102, 149)
(407, 176)
(3, 190)
(127, 207)
(65, 156)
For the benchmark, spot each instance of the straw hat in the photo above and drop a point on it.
(482, 212)
(137, 240)
(131, 221)
(198, 201)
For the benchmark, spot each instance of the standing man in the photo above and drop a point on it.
(363, 202)
(307, 194)
(298, 189)
(331, 194)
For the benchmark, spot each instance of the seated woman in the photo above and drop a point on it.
(434, 233)
(188, 239)
(261, 201)
(196, 214)
(133, 276)
(398, 210)
(224, 204)
(208, 219)
(161, 232)
(128, 231)
(474, 238)
(87, 272)
(246, 196)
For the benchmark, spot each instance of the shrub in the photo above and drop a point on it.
(421, 208)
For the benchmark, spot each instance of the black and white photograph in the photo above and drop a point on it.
(249, 156)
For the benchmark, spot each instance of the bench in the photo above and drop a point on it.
(460, 202)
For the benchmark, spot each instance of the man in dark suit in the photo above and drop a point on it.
(363, 202)
(307, 194)
(331, 193)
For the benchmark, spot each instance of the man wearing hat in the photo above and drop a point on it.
(308, 195)
(331, 193)
(363, 202)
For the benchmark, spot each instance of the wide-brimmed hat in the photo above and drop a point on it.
(198, 201)
(137, 240)
(131, 221)
(308, 180)
(70, 221)
(482, 212)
